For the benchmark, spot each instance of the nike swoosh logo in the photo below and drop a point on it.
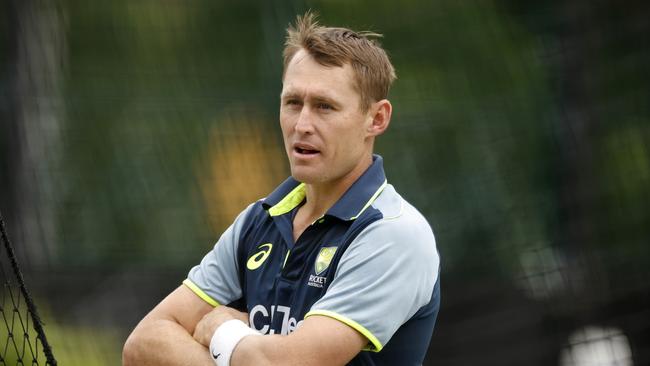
(216, 356)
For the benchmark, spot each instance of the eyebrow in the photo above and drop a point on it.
(317, 97)
(290, 95)
(326, 100)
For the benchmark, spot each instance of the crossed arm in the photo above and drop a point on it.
(179, 329)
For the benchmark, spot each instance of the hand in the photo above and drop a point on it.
(206, 327)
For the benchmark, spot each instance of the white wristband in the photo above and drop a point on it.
(225, 340)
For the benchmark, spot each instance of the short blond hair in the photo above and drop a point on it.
(329, 46)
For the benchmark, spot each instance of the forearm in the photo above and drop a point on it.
(277, 350)
(267, 350)
(319, 341)
(163, 343)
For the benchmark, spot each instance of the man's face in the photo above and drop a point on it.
(324, 129)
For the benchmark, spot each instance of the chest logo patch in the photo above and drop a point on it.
(256, 260)
(324, 259)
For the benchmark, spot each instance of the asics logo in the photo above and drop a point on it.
(256, 260)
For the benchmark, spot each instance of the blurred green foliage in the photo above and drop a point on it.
(520, 130)
(145, 84)
(473, 143)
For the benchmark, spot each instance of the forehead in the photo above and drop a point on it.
(306, 76)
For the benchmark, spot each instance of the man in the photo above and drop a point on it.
(333, 267)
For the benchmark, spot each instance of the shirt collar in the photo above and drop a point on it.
(351, 205)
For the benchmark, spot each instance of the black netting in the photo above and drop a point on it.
(22, 340)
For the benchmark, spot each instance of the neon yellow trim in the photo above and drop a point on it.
(200, 293)
(290, 201)
(319, 220)
(371, 200)
(285, 258)
(374, 345)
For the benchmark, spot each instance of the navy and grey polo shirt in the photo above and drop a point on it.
(370, 262)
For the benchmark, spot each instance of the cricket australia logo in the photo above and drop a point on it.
(322, 262)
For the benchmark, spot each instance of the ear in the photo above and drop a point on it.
(380, 113)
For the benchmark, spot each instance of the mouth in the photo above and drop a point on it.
(305, 149)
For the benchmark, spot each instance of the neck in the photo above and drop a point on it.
(320, 197)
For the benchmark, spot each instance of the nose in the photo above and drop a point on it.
(305, 125)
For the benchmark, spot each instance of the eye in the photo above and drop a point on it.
(324, 106)
(293, 102)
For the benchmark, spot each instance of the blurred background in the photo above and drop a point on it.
(133, 131)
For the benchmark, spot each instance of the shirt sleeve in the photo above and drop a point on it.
(216, 278)
(384, 277)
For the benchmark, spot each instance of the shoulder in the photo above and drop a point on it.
(394, 256)
(251, 214)
(401, 234)
(400, 220)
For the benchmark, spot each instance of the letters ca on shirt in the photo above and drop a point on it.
(280, 288)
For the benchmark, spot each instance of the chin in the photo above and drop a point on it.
(305, 175)
(304, 178)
